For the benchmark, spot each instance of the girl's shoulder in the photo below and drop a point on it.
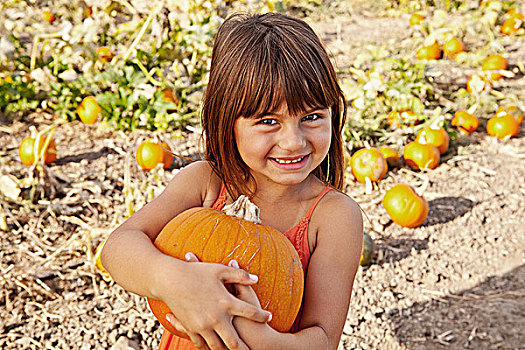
(200, 177)
(337, 209)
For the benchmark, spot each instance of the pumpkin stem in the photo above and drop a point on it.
(243, 208)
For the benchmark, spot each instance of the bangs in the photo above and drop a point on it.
(271, 76)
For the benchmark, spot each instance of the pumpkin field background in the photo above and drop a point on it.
(457, 281)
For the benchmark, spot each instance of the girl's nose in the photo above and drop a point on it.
(292, 139)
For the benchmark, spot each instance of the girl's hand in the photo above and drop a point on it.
(190, 257)
(248, 330)
(205, 309)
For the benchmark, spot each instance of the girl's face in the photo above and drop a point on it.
(283, 148)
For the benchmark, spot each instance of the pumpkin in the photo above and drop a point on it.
(169, 96)
(149, 154)
(219, 237)
(89, 110)
(421, 156)
(494, 62)
(416, 19)
(512, 110)
(26, 151)
(437, 137)
(465, 122)
(98, 262)
(368, 163)
(391, 156)
(48, 16)
(367, 253)
(452, 47)
(396, 119)
(477, 83)
(404, 206)
(511, 25)
(513, 12)
(430, 52)
(167, 158)
(502, 126)
(104, 53)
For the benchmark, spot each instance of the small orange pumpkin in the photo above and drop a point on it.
(98, 262)
(404, 206)
(391, 156)
(510, 26)
(452, 47)
(396, 119)
(503, 126)
(477, 83)
(430, 52)
(169, 96)
(48, 16)
(495, 62)
(167, 158)
(26, 151)
(465, 122)
(149, 154)
(416, 19)
(368, 163)
(421, 156)
(89, 110)
(219, 237)
(513, 12)
(437, 137)
(512, 110)
(105, 54)
(368, 250)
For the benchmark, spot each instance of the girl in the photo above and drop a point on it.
(273, 115)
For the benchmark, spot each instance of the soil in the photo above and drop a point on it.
(456, 282)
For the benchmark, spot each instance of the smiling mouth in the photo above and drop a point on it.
(289, 161)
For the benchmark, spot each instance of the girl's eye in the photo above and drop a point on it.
(267, 121)
(311, 117)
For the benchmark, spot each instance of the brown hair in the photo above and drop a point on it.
(259, 62)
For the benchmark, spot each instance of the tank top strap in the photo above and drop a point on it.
(314, 204)
(221, 199)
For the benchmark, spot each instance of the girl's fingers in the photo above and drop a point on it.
(198, 341)
(247, 294)
(249, 311)
(212, 341)
(236, 275)
(230, 338)
(190, 257)
(234, 264)
(176, 323)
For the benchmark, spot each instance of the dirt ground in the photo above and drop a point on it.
(456, 282)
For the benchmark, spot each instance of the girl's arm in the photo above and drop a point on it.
(329, 282)
(194, 292)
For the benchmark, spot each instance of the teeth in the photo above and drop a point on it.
(280, 161)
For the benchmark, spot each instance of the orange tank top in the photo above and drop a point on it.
(297, 235)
